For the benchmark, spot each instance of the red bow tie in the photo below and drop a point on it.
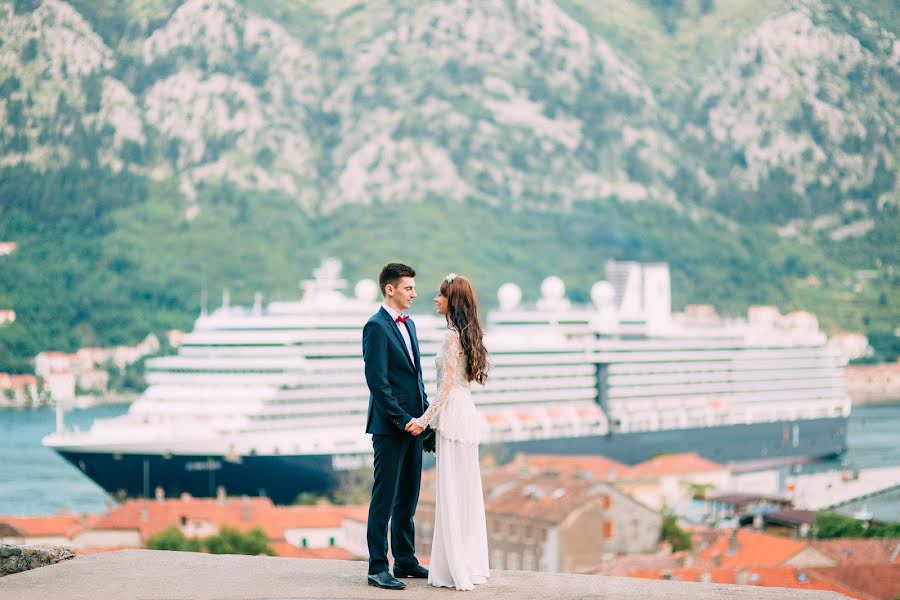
(401, 319)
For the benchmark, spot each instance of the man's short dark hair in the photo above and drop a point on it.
(391, 274)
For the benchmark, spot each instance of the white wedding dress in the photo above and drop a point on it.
(459, 550)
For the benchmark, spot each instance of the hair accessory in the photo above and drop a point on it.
(449, 278)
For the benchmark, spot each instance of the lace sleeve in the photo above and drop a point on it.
(449, 353)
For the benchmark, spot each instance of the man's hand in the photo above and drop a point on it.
(413, 428)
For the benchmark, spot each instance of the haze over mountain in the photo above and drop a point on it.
(154, 147)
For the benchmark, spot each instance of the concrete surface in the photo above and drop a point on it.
(156, 574)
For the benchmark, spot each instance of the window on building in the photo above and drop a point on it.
(607, 530)
(331, 541)
(607, 502)
(512, 561)
(304, 543)
(497, 559)
(528, 561)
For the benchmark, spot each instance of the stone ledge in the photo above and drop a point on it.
(134, 574)
(15, 559)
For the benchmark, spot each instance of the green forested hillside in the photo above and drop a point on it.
(155, 148)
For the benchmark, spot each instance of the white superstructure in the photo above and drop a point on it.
(287, 378)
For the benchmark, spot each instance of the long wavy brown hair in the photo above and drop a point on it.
(462, 315)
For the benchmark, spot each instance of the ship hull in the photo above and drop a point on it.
(745, 445)
(284, 477)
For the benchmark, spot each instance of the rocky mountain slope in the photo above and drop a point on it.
(504, 101)
(773, 121)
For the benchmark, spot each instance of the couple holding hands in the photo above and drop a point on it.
(399, 412)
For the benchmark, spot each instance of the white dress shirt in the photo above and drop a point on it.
(404, 331)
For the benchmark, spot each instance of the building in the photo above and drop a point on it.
(297, 531)
(18, 390)
(858, 568)
(84, 371)
(587, 466)
(869, 582)
(7, 248)
(7, 316)
(670, 481)
(88, 358)
(742, 505)
(92, 381)
(355, 526)
(674, 480)
(47, 363)
(123, 356)
(790, 521)
(551, 521)
(55, 368)
(868, 384)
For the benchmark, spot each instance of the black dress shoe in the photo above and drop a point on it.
(415, 571)
(386, 580)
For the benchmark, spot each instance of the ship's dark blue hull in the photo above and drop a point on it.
(784, 442)
(282, 478)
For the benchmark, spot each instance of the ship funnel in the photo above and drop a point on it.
(509, 296)
(553, 294)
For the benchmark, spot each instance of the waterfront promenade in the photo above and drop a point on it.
(142, 574)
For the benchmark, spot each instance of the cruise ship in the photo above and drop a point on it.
(271, 399)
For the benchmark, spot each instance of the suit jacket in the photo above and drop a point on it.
(396, 391)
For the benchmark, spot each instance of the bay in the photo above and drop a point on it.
(35, 480)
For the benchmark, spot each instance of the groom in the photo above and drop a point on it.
(396, 398)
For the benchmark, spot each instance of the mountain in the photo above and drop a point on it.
(156, 147)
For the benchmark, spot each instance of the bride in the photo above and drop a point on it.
(459, 552)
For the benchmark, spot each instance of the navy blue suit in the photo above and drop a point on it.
(396, 395)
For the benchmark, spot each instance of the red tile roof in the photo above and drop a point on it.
(857, 552)
(675, 464)
(786, 577)
(623, 566)
(598, 467)
(545, 488)
(152, 516)
(752, 549)
(865, 581)
(540, 497)
(97, 550)
(357, 513)
(63, 524)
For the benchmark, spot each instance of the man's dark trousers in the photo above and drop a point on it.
(395, 494)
